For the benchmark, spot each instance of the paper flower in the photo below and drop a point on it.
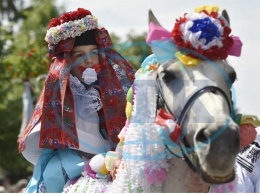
(89, 75)
(155, 175)
(205, 33)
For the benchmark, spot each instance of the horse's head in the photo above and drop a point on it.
(199, 97)
(194, 85)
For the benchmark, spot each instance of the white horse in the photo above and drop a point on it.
(209, 116)
(199, 98)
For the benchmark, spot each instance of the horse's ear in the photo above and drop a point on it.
(225, 15)
(160, 40)
(152, 18)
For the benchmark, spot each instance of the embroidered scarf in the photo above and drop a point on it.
(55, 106)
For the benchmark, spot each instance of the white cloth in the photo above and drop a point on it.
(90, 140)
(248, 167)
(27, 106)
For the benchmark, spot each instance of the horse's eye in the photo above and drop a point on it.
(232, 76)
(167, 76)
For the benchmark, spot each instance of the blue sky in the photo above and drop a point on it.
(123, 16)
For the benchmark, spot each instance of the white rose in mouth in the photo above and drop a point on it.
(89, 75)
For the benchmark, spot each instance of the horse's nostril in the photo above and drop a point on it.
(201, 137)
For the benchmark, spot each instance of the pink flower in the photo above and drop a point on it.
(155, 175)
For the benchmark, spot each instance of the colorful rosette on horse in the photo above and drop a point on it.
(202, 35)
(204, 32)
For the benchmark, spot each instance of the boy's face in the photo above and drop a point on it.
(84, 56)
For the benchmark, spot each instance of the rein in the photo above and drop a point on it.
(188, 156)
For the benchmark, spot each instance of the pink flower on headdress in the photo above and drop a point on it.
(62, 28)
(91, 21)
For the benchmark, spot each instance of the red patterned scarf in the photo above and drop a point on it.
(55, 106)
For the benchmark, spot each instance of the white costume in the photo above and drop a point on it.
(248, 167)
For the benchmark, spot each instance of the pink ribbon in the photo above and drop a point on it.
(157, 32)
(235, 50)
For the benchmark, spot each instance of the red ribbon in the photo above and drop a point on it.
(96, 67)
(161, 119)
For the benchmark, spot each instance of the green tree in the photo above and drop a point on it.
(23, 55)
(11, 10)
(134, 49)
(28, 52)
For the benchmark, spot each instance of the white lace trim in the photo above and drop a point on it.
(86, 101)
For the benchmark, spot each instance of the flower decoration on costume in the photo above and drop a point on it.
(70, 25)
(204, 32)
(89, 76)
(155, 175)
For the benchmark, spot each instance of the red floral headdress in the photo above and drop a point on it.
(70, 25)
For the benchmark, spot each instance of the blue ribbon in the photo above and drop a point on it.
(151, 59)
(164, 50)
(49, 169)
(165, 136)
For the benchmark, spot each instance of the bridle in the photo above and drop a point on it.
(187, 156)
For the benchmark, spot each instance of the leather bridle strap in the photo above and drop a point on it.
(188, 156)
(197, 94)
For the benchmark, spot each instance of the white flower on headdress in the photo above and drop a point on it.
(89, 75)
(195, 37)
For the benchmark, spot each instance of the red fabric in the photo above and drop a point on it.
(55, 106)
(176, 133)
(161, 118)
(58, 126)
(111, 93)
